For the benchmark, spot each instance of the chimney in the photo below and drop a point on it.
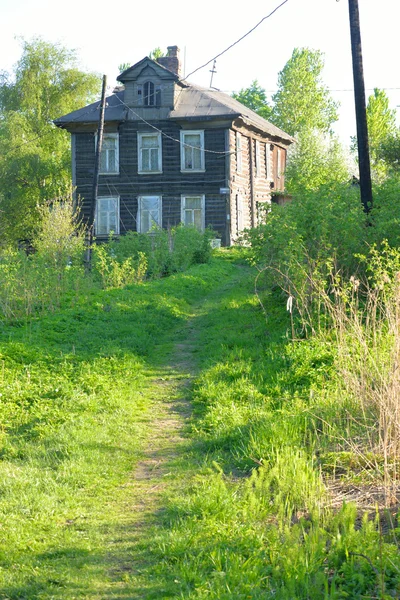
(171, 61)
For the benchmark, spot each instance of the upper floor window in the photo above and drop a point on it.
(192, 150)
(258, 159)
(109, 157)
(278, 163)
(149, 152)
(107, 215)
(239, 163)
(268, 166)
(149, 94)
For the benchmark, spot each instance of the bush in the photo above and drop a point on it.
(163, 251)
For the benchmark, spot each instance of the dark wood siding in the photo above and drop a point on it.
(170, 184)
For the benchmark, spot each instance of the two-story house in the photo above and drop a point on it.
(175, 153)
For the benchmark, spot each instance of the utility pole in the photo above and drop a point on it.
(360, 104)
(95, 187)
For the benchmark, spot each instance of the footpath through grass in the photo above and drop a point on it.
(159, 442)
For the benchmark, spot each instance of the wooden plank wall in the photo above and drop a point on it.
(170, 184)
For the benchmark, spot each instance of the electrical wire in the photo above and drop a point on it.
(237, 41)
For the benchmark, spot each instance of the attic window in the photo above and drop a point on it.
(149, 94)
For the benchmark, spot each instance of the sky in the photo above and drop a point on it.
(106, 34)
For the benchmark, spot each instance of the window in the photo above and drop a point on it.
(258, 159)
(192, 209)
(149, 152)
(268, 171)
(239, 152)
(192, 150)
(109, 157)
(239, 214)
(107, 215)
(278, 163)
(149, 94)
(149, 213)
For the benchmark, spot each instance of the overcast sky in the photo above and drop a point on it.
(106, 34)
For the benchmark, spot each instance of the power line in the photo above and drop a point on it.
(224, 153)
(237, 41)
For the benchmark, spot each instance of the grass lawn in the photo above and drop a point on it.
(159, 442)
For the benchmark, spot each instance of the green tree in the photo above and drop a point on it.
(156, 53)
(381, 127)
(35, 155)
(302, 100)
(316, 160)
(254, 97)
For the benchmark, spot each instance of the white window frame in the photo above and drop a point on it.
(278, 162)
(114, 136)
(184, 133)
(140, 209)
(96, 217)
(239, 155)
(257, 158)
(239, 213)
(140, 136)
(268, 162)
(203, 208)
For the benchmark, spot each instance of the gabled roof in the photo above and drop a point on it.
(194, 103)
(115, 111)
(197, 103)
(135, 70)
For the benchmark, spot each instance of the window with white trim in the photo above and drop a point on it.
(192, 150)
(268, 169)
(258, 159)
(149, 213)
(239, 162)
(193, 211)
(109, 157)
(278, 163)
(239, 214)
(149, 152)
(149, 94)
(107, 215)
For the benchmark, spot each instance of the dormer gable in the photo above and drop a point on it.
(149, 85)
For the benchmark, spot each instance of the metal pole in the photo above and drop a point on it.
(360, 105)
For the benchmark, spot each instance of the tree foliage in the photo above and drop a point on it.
(35, 164)
(302, 100)
(316, 159)
(254, 97)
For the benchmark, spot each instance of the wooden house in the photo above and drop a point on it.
(175, 153)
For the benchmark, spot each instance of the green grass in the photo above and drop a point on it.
(240, 508)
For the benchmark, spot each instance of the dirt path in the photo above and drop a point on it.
(155, 472)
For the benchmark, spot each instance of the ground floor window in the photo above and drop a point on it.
(149, 213)
(193, 211)
(239, 214)
(107, 215)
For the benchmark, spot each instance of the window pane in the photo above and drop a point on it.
(197, 219)
(193, 140)
(188, 217)
(145, 160)
(154, 159)
(149, 141)
(193, 202)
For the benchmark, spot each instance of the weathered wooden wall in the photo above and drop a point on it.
(170, 184)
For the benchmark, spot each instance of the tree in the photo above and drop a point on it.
(156, 53)
(302, 101)
(254, 97)
(35, 164)
(381, 127)
(317, 159)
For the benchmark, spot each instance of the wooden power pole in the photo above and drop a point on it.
(95, 188)
(361, 111)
